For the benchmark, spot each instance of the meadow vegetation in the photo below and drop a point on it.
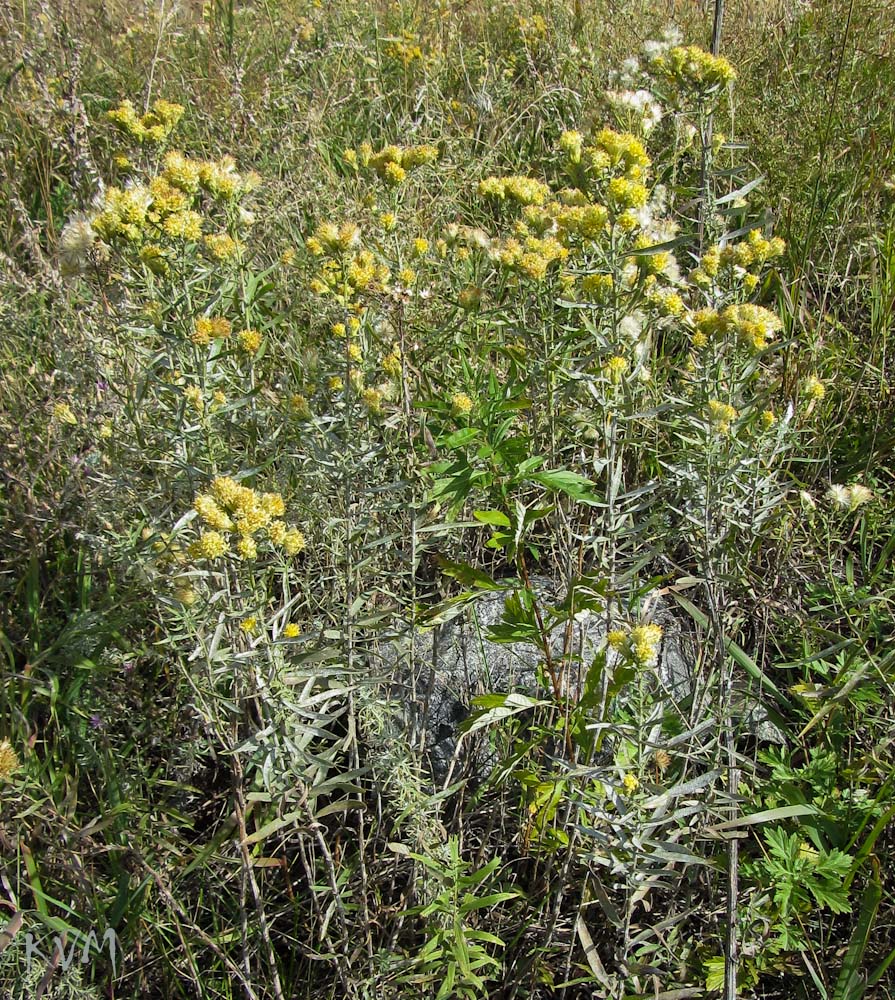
(322, 323)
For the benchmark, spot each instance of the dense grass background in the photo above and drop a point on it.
(252, 812)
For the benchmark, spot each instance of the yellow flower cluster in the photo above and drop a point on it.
(813, 389)
(193, 395)
(165, 206)
(742, 260)
(650, 263)
(461, 404)
(572, 144)
(63, 414)
(221, 246)
(330, 239)
(300, 406)
(523, 190)
(615, 368)
(720, 415)
(345, 270)
(531, 30)
(9, 761)
(229, 507)
(530, 258)
(753, 326)
(597, 287)
(249, 340)
(469, 298)
(665, 301)
(154, 257)
(391, 363)
(405, 49)
(208, 328)
(690, 68)
(305, 30)
(393, 163)
(641, 644)
(623, 193)
(585, 223)
(155, 126)
(704, 323)
(616, 154)
(630, 783)
(123, 214)
(372, 400)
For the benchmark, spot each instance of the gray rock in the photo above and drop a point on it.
(445, 667)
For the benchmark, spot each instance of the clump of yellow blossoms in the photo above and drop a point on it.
(406, 50)
(641, 644)
(615, 369)
(813, 389)
(630, 783)
(753, 326)
(461, 404)
(393, 163)
(299, 405)
(168, 207)
(690, 68)
(221, 246)
(531, 257)
(193, 395)
(345, 270)
(63, 414)
(9, 761)
(608, 171)
(720, 415)
(230, 508)
(249, 340)
(735, 262)
(391, 363)
(522, 190)
(155, 126)
(208, 328)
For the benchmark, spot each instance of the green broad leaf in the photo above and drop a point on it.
(449, 978)
(461, 953)
(343, 805)
(529, 465)
(511, 704)
(273, 827)
(515, 632)
(488, 938)
(493, 517)
(499, 540)
(34, 880)
(714, 974)
(467, 575)
(477, 902)
(459, 438)
(563, 481)
(536, 514)
(833, 896)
